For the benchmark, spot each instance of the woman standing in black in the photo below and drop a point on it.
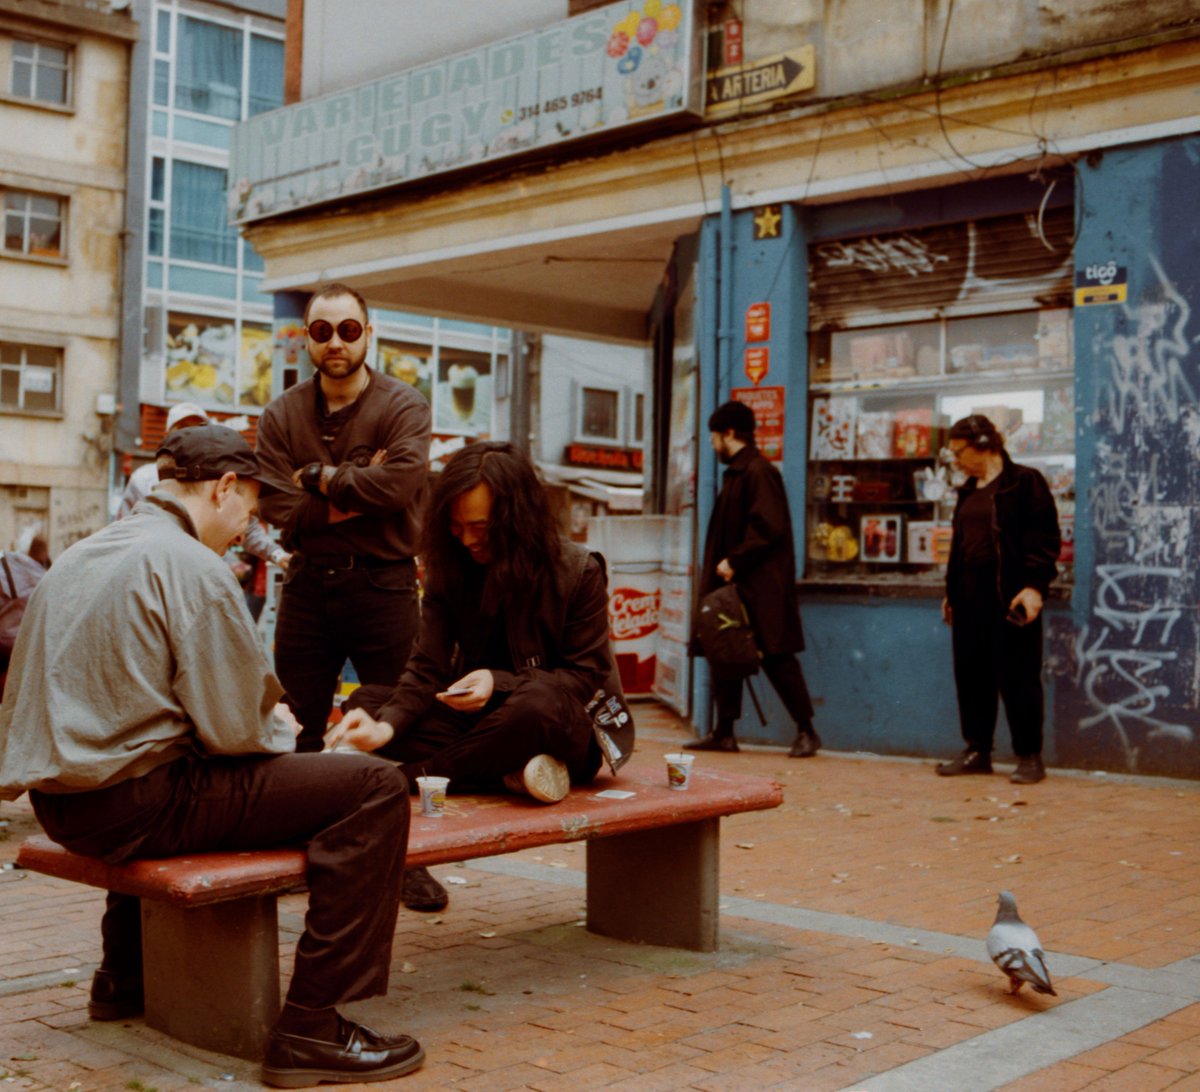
(1002, 558)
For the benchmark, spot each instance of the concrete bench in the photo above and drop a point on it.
(209, 925)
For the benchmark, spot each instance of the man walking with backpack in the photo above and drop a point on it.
(749, 544)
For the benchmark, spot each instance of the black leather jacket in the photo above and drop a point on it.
(1024, 528)
(559, 629)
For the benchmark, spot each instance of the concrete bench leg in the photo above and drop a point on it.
(656, 886)
(212, 973)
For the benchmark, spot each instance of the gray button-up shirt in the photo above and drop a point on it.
(136, 649)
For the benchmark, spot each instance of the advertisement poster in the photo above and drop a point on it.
(463, 400)
(254, 359)
(201, 359)
(768, 406)
(409, 363)
(622, 64)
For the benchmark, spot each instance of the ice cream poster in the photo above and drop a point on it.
(463, 400)
(622, 64)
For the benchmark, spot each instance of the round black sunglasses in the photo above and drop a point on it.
(348, 330)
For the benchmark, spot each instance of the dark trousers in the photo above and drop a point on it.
(476, 750)
(783, 669)
(352, 810)
(995, 659)
(367, 615)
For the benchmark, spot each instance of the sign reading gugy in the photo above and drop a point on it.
(619, 65)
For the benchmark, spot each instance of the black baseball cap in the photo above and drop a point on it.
(207, 452)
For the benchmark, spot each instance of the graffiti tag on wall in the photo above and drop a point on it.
(1136, 657)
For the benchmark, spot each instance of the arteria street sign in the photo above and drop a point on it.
(755, 81)
(624, 64)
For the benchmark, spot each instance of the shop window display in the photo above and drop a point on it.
(881, 487)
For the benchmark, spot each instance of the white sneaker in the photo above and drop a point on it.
(544, 778)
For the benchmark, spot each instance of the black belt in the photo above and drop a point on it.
(352, 561)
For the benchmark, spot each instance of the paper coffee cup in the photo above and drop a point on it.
(679, 770)
(433, 795)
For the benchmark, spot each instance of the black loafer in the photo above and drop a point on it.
(807, 744)
(969, 762)
(114, 997)
(293, 1061)
(420, 891)
(713, 743)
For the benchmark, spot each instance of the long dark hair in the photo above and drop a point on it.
(522, 535)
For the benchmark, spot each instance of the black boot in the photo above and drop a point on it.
(719, 739)
(969, 762)
(807, 743)
(713, 742)
(115, 996)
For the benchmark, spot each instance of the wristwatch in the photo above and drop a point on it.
(310, 477)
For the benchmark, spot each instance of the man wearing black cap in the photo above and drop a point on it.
(749, 543)
(141, 715)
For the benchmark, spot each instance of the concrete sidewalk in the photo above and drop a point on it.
(852, 952)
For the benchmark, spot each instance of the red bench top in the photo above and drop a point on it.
(473, 826)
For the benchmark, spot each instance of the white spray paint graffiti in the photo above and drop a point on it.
(1147, 374)
(903, 253)
(1118, 669)
(1129, 654)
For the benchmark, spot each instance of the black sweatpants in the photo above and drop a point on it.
(351, 810)
(783, 669)
(995, 659)
(476, 750)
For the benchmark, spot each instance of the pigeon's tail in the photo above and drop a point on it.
(1023, 966)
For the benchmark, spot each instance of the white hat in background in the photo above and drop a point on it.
(183, 411)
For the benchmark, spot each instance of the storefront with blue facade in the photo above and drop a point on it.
(1061, 305)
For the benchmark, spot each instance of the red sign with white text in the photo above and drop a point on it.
(633, 612)
(758, 322)
(769, 416)
(757, 364)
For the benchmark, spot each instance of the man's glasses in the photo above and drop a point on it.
(348, 330)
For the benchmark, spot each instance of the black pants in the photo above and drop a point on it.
(995, 659)
(783, 669)
(352, 810)
(367, 615)
(476, 750)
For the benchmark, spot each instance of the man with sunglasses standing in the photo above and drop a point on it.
(348, 450)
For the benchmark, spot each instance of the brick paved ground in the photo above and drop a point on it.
(851, 957)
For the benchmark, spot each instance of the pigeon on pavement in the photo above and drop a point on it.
(1016, 950)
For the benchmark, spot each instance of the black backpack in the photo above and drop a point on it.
(726, 635)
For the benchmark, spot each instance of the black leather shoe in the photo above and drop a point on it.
(970, 761)
(713, 743)
(362, 1055)
(807, 744)
(420, 891)
(114, 997)
(1029, 771)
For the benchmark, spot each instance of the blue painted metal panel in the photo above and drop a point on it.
(1135, 652)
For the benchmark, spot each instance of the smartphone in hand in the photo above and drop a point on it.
(456, 692)
(1017, 615)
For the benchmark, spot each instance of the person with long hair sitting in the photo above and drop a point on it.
(513, 642)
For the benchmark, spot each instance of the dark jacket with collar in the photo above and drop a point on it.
(557, 633)
(751, 525)
(1024, 527)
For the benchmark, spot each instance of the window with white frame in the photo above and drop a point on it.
(41, 71)
(599, 414)
(200, 231)
(30, 378)
(33, 223)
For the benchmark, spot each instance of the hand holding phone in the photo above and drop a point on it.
(456, 692)
(1017, 616)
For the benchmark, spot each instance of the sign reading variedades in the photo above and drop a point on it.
(619, 65)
